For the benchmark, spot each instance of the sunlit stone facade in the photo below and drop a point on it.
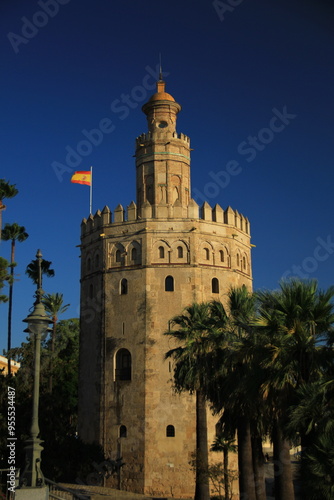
(139, 268)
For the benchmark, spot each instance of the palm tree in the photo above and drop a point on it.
(314, 413)
(6, 191)
(294, 320)
(192, 370)
(32, 270)
(236, 391)
(276, 393)
(12, 232)
(319, 464)
(54, 307)
(225, 444)
(4, 276)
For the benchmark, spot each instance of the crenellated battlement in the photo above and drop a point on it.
(147, 137)
(120, 215)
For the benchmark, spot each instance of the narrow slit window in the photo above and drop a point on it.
(170, 431)
(169, 284)
(118, 256)
(124, 286)
(206, 254)
(123, 432)
(222, 256)
(123, 365)
(134, 254)
(215, 285)
(161, 252)
(180, 252)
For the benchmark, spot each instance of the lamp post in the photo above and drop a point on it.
(38, 321)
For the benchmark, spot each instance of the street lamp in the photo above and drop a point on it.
(38, 321)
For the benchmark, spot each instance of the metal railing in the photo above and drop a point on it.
(57, 492)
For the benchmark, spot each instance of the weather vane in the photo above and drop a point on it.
(160, 66)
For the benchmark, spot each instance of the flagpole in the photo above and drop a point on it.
(91, 190)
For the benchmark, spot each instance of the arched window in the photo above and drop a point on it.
(244, 263)
(123, 365)
(89, 264)
(124, 286)
(91, 291)
(97, 260)
(169, 284)
(170, 431)
(118, 256)
(180, 252)
(215, 285)
(206, 254)
(123, 431)
(222, 256)
(161, 252)
(238, 260)
(134, 254)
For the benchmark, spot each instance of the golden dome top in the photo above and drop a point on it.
(161, 95)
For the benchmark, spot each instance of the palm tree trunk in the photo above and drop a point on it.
(258, 466)
(9, 332)
(245, 461)
(10, 307)
(226, 478)
(282, 466)
(305, 442)
(202, 490)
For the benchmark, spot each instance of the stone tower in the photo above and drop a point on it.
(139, 268)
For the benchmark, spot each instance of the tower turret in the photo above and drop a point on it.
(161, 111)
(162, 157)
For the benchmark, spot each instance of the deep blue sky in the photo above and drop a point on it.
(228, 72)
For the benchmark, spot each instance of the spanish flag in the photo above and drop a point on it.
(83, 177)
